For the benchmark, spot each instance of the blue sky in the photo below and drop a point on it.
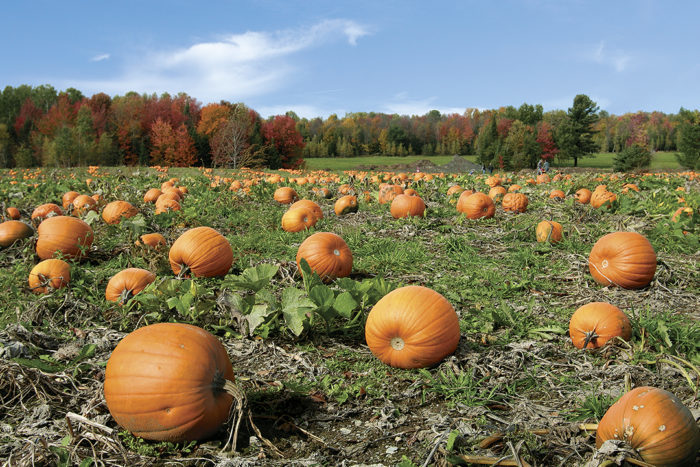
(323, 57)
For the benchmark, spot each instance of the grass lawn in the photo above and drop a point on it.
(660, 160)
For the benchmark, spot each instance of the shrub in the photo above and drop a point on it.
(631, 158)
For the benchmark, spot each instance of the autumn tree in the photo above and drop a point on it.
(281, 132)
(545, 138)
(520, 148)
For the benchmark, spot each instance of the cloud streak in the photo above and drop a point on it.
(233, 67)
(402, 105)
(616, 58)
(99, 58)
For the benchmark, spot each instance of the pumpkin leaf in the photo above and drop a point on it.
(310, 277)
(257, 316)
(322, 296)
(254, 278)
(91, 217)
(295, 308)
(345, 304)
(547, 333)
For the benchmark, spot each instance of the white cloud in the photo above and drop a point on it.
(402, 105)
(302, 110)
(616, 58)
(99, 58)
(234, 67)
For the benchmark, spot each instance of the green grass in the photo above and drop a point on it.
(660, 160)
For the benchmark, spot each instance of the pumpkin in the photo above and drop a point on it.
(68, 197)
(298, 219)
(387, 193)
(322, 192)
(311, 206)
(153, 240)
(345, 205)
(170, 382)
(412, 327)
(11, 231)
(327, 254)
(170, 195)
(601, 198)
(624, 259)
(152, 195)
(406, 205)
(454, 190)
(514, 202)
(513, 188)
(12, 213)
(493, 181)
(82, 204)
(630, 186)
(173, 192)
(656, 424)
(462, 199)
(285, 195)
(346, 189)
(548, 231)
(203, 251)
(543, 178)
(497, 192)
(127, 283)
(167, 205)
(557, 194)
(46, 210)
(66, 235)
(477, 205)
(594, 324)
(583, 196)
(114, 211)
(410, 192)
(49, 275)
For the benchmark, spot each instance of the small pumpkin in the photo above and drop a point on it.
(170, 382)
(624, 259)
(68, 197)
(412, 327)
(594, 324)
(202, 251)
(513, 188)
(543, 178)
(167, 205)
(127, 283)
(497, 192)
(406, 206)
(66, 235)
(600, 198)
(285, 195)
(548, 231)
(387, 193)
(12, 213)
(114, 211)
(11, 231)
(410, 192)
(514, 202)
(557, 194)
(656, 424)
(45, 210)
(153, 240)
(311, 206)
(82, 204)
(327, 254)
(49, 275)
(477, 205)
(345, 204)
(298, 219)
(583, 196)
(152, 195)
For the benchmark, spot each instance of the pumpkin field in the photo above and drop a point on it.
(348, 317)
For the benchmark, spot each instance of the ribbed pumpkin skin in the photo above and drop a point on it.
(604, 320)
(163, 382)
(497, 192)
(83, 203)
(557, 194)
(64, 234)
(548, 231)
(285, 195)
(406, 206)
(298, 219)
(625, 259)
(154, 240)
(311, 206)
(127, 283)
(114, 211)
(601, 198)
(656, 424)
(68, 198)
(48, 275)
(12, 213)
(422, 318)
(327, 254)
(11, 231)
(514, 202)
(583, 196)
(478, 205)
(345, 205)
(167, 205)
(205, 251)
(45, 210)
(152, 195)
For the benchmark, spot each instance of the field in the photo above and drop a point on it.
(515, 388)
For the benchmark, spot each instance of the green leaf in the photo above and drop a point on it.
(87, 351)
(345, 304)
(257, 316)
(39, 364)
(451, 440)
(87, 462)
(295, 308)
(254, 278)
(662, 329)
(322, 296)
(91, 217)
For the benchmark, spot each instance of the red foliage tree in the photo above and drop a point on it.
(61, 114)
(282, 133)
(546, 140)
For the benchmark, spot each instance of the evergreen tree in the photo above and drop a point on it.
(575, 135)
(487, 143)
(689, 140)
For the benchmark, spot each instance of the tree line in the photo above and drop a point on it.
(40, 126)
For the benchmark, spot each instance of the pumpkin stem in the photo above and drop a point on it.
(397, 343)
(125, 296)
(184, 271)
(590, 336)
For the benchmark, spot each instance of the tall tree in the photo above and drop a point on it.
(487, 143)
(230, 142)
(689, 139)
(575, 135)
(281, 132)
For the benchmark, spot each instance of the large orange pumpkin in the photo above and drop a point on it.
(49, 275)
(311, 206)
(624, 259)
(127, 283)
(594, 324)
(202, 251)
(69, 236)
(327, 254)
(169, 382)
(46, 210)
(345, 204)
(152, 195)
(477, 205)
(285, 195)
(11, 231)
(514, 202)
(167, 205)
(497, 192)
(412, 327)
(114, 211)
(600, 198)
(656, 424)
(548, 231)
(68, 197)
(82, 204)
(298, 219)
(406, 205)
